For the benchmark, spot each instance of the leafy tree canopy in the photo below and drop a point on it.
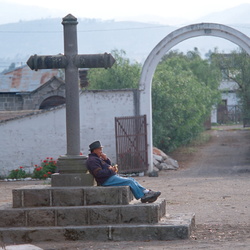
(236, 68)
(184, 90)
(123, 74)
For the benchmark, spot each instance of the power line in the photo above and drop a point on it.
(85, 31)
(105, 30)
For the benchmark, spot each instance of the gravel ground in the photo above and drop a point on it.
(212, 182)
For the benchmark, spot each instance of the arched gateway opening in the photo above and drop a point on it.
(52, 101)
(175, 37)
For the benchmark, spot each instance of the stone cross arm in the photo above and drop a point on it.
(80, 61)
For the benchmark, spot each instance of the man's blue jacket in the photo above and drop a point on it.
(99, 168)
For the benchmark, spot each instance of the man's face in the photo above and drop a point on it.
(98, 151)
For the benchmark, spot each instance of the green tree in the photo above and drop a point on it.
(123, 74)
(184, 90)
(236, 67)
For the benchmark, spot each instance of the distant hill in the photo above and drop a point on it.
(236, 15)
(20, 40)
(24, 38)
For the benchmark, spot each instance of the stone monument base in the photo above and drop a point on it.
(72, 171)
(44, 213)
(69, 180)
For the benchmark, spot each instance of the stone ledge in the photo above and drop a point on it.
(83, 215)
(178, 227)
(46, 196)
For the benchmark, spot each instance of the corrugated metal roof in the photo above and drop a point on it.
(23, 79)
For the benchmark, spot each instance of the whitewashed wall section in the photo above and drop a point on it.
(98, 111)
(28, 140)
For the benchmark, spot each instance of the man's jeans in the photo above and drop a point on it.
(116, 180)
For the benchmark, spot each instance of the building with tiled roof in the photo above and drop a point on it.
(24, 89)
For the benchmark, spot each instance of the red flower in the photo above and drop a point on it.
(45, 176)
(21, 167)
(44, 161)
(49, 173)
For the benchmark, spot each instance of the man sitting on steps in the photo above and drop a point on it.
(99, 165)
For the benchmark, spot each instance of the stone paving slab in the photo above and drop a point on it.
(171, 227)
(21, 247)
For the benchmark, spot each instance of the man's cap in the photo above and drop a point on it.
(94, 145)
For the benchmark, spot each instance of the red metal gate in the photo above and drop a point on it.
(229, 114)
(131, 144)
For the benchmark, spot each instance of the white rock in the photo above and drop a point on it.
(165, 166)
(155, 169)
(155, 162)
(157, 151)
(172, 162)
(158, 158)
(158, 165)
(141, 174)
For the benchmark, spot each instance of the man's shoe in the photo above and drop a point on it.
(150, 197)
(156, 195)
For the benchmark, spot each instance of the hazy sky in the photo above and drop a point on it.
(139, 10)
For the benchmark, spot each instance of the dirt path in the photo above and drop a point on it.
(213, 183)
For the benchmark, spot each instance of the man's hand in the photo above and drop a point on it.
(114, 168)
(104, 156)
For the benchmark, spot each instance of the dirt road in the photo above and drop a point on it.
(213, 182)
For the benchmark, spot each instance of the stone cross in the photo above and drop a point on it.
(72, 163)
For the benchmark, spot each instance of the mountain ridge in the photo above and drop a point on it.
(22, 39)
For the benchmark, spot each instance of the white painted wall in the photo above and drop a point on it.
(28, 140)
(231, 97)
(98, 111)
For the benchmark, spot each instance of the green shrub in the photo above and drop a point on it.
(47, 168)
(18, 173)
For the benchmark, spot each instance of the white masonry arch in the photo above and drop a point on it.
(175, 37)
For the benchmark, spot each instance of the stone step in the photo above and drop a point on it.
(136, 212)
(47, 196)
(170, 227)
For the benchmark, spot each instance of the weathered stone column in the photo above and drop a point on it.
(72, 87)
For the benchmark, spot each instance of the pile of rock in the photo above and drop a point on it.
(163, 161)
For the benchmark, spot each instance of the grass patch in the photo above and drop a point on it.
(201, 139)
(194, 145)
